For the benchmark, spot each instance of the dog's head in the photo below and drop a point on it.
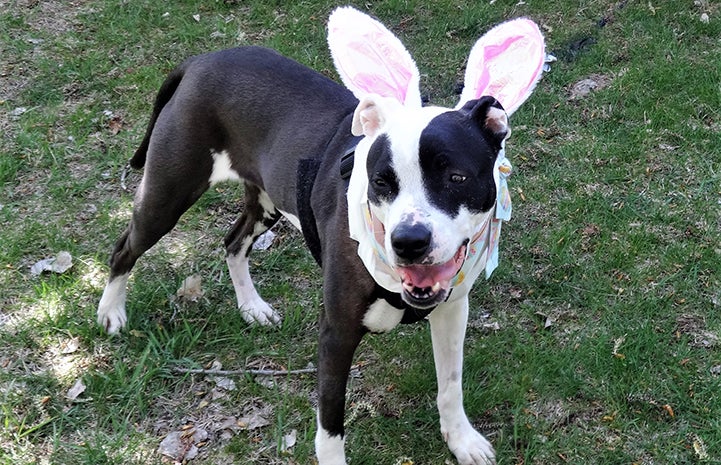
(431, 186)
(431, 173)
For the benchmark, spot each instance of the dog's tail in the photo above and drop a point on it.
(167, 89)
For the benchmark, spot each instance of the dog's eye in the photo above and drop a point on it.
(457, 178)
(380, 183)
(383, 183)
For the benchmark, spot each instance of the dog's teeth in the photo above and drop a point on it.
(436, 287)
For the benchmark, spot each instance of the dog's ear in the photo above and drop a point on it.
(490, 116)
(371, 115)
(370, 59)
(505, 63)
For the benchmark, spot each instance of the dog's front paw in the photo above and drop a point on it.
(470, 447)
(257, 311)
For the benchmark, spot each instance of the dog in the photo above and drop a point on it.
(399, 203)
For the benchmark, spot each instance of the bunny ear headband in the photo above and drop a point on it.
(505, 63)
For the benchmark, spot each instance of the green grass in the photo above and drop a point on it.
(606, 301)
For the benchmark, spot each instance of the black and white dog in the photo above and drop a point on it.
(400, 204)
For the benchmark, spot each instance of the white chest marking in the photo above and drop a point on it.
(222, 169)
(382, 317)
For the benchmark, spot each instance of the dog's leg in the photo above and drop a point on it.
(448, 330)
(340, 332)
(159, 202)
(335, 355)
(258, 216)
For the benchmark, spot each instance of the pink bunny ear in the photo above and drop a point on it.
(505, 63)
(370, 59)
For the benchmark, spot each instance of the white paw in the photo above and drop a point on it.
(329, 450)
(112, 319)
(470, 447)
(257, 311)
(111, 310)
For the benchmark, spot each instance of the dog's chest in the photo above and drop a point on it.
(382, 317)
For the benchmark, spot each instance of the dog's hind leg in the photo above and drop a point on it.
(162, 197)
(258, 216)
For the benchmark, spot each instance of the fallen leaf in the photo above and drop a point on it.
(69, 346)
(191, 289)
(254, 420)
(617, 343)
(515, 293)
(547, 320)
(268, 382)
(227, 423)
(115, 124)
(218, 393)
(183, 445)
(289, 441)
(669, 410)
(17, 112)
(492, 326)
(699, 448)
(215, 365)
(225, 383)
(59, 264)
(177, 447)
(77, 389)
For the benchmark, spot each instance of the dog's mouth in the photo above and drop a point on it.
(425, 286)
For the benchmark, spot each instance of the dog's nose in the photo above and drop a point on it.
(410, 242)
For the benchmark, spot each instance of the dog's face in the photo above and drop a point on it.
(430, 187)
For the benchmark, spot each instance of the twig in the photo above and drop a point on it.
(201, 371)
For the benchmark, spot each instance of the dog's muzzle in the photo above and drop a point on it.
(425, 286)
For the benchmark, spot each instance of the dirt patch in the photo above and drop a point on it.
(593, 83)
(46, 16)
(694, 327)
(40, 19)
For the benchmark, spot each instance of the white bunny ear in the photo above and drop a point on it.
(370, 59)
(505, 63)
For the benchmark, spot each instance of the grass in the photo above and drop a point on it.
(596, 340)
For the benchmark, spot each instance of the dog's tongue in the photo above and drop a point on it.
(433, 276)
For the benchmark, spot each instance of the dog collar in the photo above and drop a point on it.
(482, 248)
